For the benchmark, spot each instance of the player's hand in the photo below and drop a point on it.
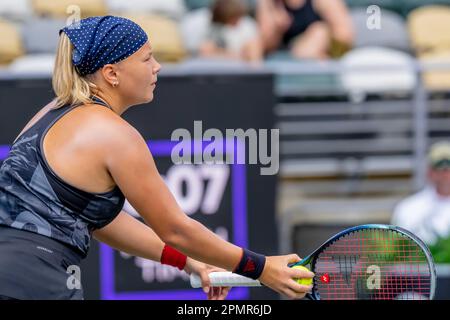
(203, 270)
(278, 276)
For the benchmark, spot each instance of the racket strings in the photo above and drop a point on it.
(373, 264)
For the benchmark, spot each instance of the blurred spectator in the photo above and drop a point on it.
(310, 29)
(231, 36)
(427, 213)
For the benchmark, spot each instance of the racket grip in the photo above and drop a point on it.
(225, 279)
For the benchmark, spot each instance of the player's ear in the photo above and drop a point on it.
(110, 74)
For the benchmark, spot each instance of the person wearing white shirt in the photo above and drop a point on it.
(427, 213)
(232, 33)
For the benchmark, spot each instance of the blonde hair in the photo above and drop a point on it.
(68, 85)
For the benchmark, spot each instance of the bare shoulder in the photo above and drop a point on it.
(123, 152)
(107, 130)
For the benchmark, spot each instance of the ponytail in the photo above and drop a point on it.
(68, 85)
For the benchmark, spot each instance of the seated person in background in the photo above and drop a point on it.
(310, 29)
(232, 34)
(427, 213)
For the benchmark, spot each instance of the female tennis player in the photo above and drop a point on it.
(72, 166)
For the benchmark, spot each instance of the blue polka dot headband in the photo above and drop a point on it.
(103, 40)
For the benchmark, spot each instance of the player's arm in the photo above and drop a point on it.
(129, 235)
(132, 167)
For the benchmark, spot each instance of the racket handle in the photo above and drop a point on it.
(225, 279)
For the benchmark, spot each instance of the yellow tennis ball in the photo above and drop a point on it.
(304, 281)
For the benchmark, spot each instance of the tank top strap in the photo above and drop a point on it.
(54, 115)
(100, 101)
(50, 118)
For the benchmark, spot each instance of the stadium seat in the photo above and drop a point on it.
(390, 71)
(427, 27)
(39, 63)
(41, 35)
(11, 46)
(164, 36)
(393, 5)
(194, 28)
(15, 9)
(171, 8)
(218, 64)
(410, 5)
(64, 8)
(197, 4)
(303, 82)
(437, 80)
(393, 33)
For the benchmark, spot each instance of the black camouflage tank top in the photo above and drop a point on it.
(35, 199)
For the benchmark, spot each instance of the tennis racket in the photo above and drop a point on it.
(368, 262)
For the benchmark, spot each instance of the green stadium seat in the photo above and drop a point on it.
(410, 5)
(197, 4)
(393, 5)
(403, 7)
(304, 83)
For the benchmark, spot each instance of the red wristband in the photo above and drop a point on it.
(173, 257)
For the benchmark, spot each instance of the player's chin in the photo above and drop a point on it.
(149, 97)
